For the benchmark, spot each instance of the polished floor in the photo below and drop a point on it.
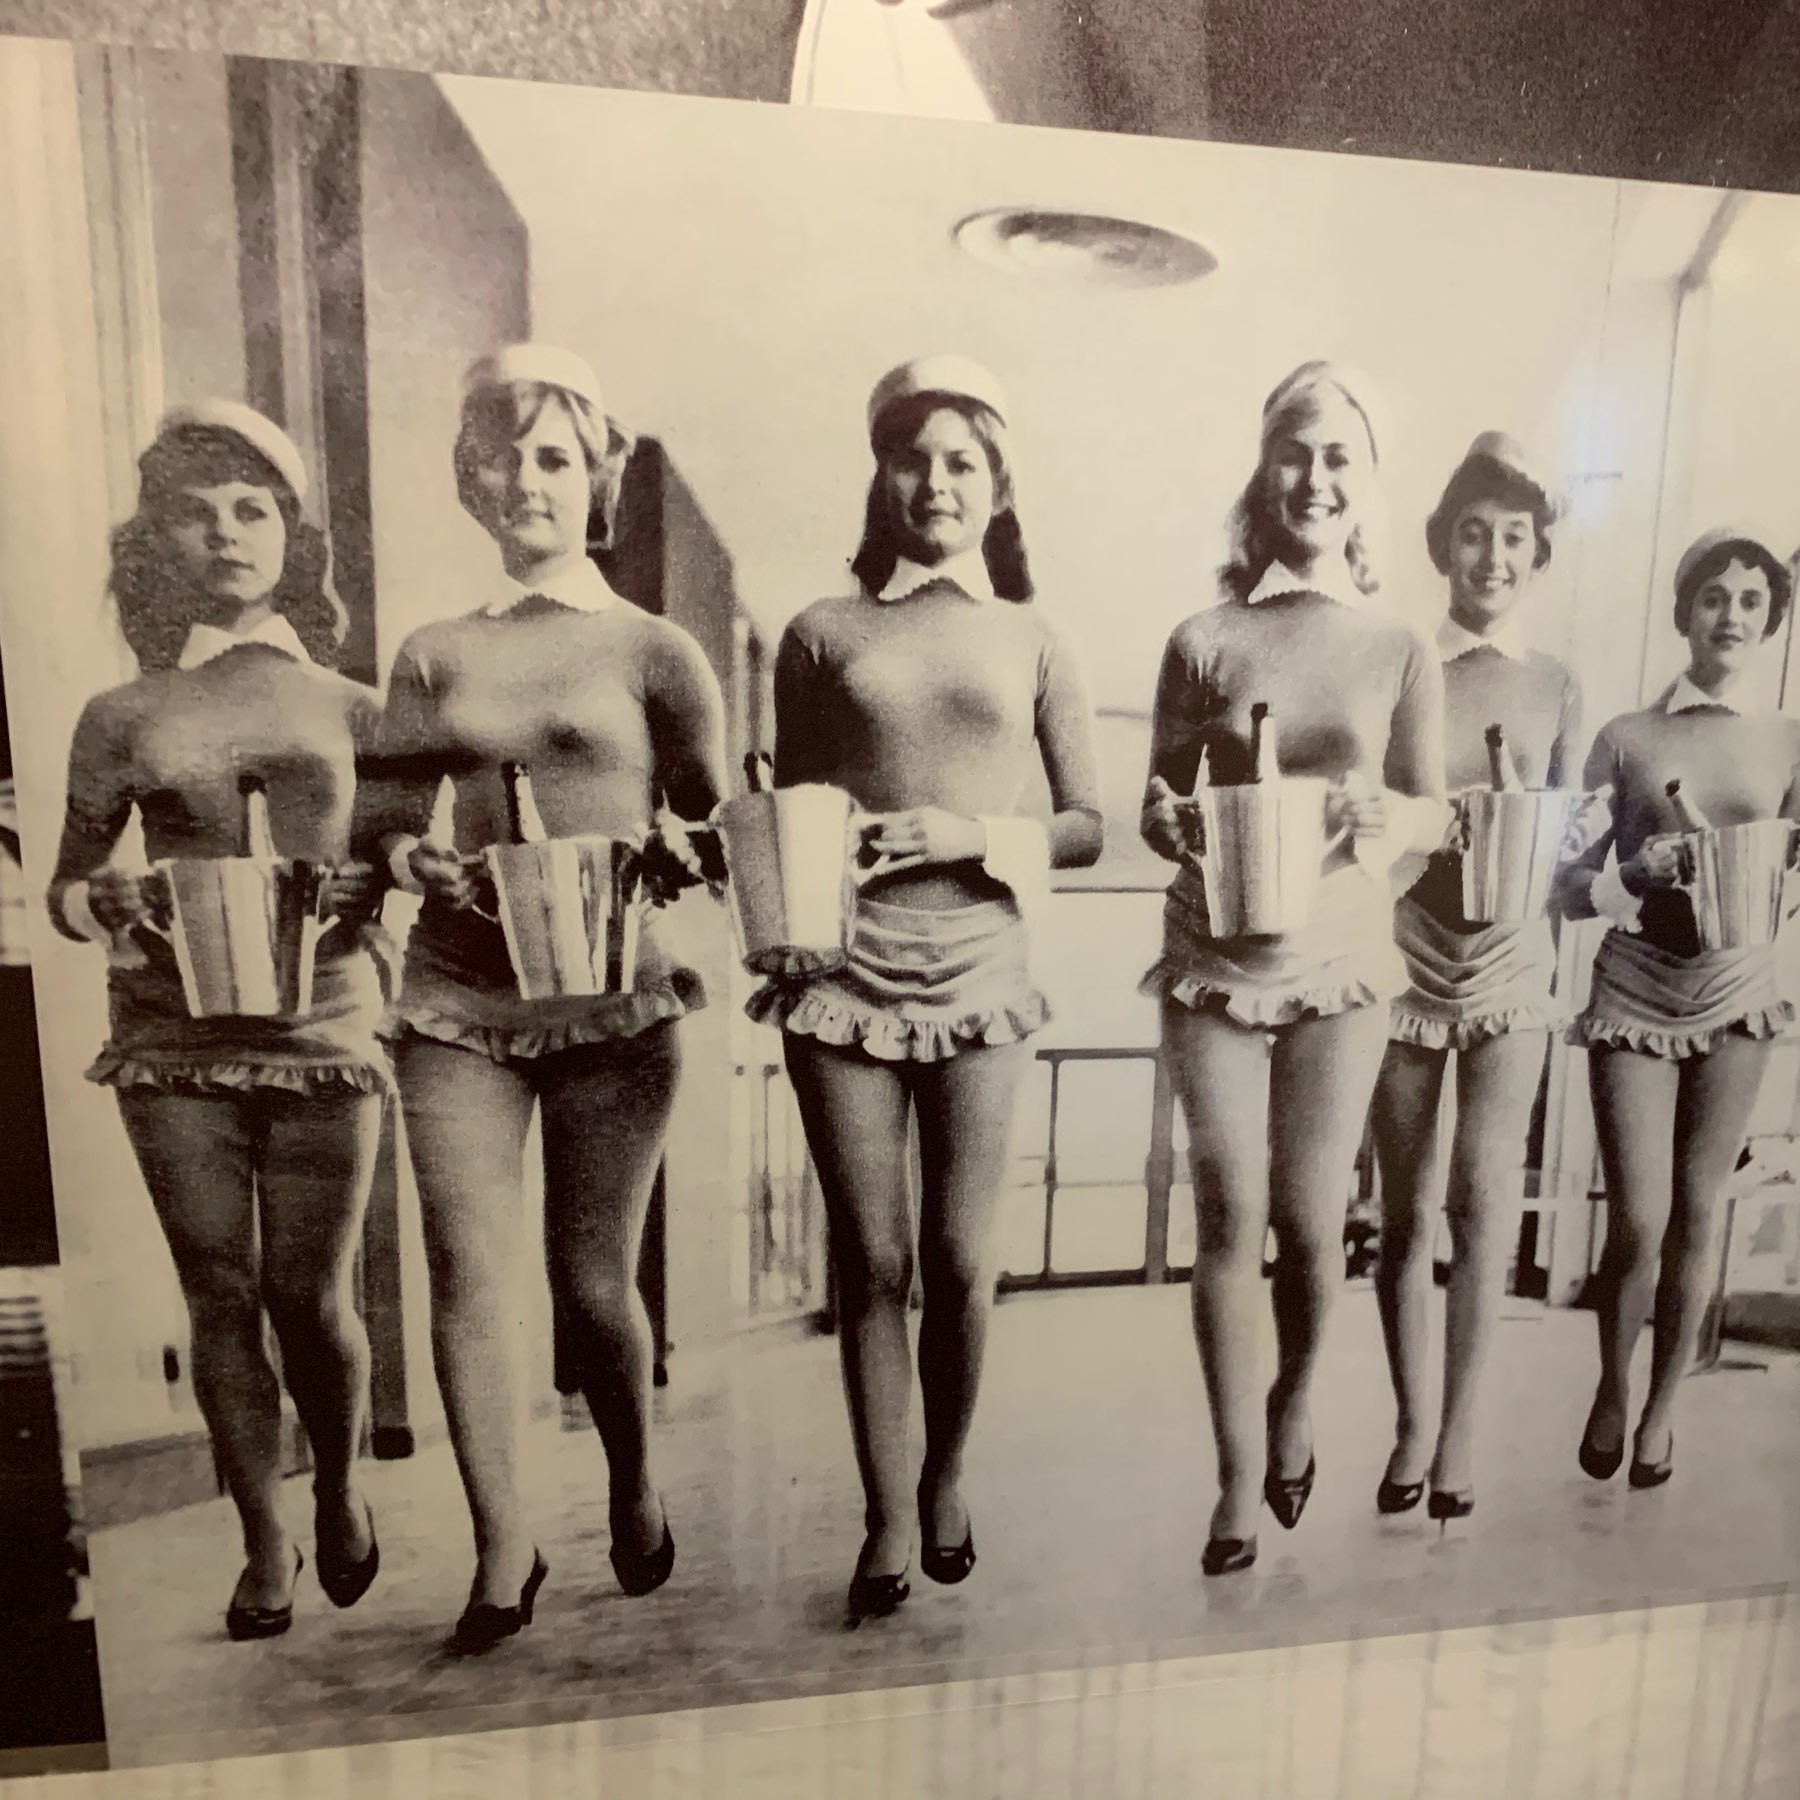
(1090, 1483)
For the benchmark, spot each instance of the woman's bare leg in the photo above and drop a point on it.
(1496, 1083)
(466, 1119)
(197, 1154)
(1712, 1113)
(1408, 1096)
(965, 1113)
(316, 1161)
(605, 1110)
(1634, 1117)
(1220, 1072)
(855, 1111)
(1322, 1075)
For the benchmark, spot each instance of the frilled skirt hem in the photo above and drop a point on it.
(1648, 1000)
(1469, 985)
(919, 987)
(1345, 960)
(200, 1075)
(598, 1021)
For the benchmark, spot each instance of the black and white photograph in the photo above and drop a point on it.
(823, 901)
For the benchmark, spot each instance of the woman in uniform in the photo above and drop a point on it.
(1480, 992)
(1273, 1042)
(618, 720)
(933, 693)
(256, 1136)
(1677, 1036)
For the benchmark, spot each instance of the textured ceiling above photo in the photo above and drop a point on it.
(1643, 89)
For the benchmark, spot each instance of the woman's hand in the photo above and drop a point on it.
(678, 856)
(119, 900)
(1657, 864)
(354, 890)
(446, 876)
(1174, 828)
(1360, 811)
(922, 837)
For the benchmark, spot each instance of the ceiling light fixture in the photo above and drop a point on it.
(1082, 249)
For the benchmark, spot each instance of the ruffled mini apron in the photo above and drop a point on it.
(458, 987)
(1473, 984)
(1343, 959)
(154, 1042)
(1649, 1000)
(919, 987)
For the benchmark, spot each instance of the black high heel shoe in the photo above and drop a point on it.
(640, 1574)
(1652, 1475)
(946, 1565)
(1287, 1499)
(876, 1596)
(1445, 1505)
(1398, 1497)
(1601, 1465)
(483, 1625)
(246, 1624)
(345, 1583)
(1226, 1556)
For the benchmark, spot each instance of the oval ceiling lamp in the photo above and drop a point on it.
(1080, 249)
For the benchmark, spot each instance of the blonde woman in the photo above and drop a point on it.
(1274, 1042)
(619, 720)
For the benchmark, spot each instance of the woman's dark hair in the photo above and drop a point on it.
(1718, 559)
(495, 418)
(1483, 477)
(1003, 546)
(157, 608)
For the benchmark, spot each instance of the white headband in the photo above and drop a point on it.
(263, 435)
(959, 377)
(535, 362)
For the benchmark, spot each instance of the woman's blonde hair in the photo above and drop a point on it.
(496, 417)
(1254, 536)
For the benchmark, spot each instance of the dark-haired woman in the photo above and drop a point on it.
(615, 713)
(1479, 992)
(1677, 1036)
(1273, 1043)
(256, 1136)
(931, 694)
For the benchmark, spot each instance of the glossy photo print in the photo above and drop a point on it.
(822, 903)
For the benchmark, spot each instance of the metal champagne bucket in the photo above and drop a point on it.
(793, 883)
(1265, 848)
(1735, 877)
(245, 931)
(1512, 844)
(569, 908)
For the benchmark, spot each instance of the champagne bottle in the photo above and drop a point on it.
(1263, 766)
(1501, 773)
(258, 839)
(1688, 816)
(524, 825)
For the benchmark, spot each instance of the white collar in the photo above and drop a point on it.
(1685, 697)
(968, 571)
(204, 642)
(1333, 581)
(1455, 639)
(579, 585)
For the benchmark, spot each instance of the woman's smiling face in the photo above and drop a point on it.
(1493, 553)
(940, 488)
(1317, 468)
(1727, 616)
